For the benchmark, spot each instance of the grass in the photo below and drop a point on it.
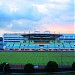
(37, 58)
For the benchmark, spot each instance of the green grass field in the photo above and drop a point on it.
(37, 58)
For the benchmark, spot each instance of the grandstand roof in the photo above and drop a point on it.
(43, 36)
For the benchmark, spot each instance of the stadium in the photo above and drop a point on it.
(37, 48)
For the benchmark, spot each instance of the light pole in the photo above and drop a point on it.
(4, 66)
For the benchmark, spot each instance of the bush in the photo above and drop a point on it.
(51, 66)
(4, 67)
(1, 67)
(29, 68)
(73, 66)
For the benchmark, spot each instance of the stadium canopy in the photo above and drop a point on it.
(43, 36)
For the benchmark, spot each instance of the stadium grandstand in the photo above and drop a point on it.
(39, 41)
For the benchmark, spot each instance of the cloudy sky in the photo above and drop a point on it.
(37, 15)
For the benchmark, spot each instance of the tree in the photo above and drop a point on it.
(51, 66)
(73, 66)
(29, 68)
(4, 67)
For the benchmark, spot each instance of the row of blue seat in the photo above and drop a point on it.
(51, 46)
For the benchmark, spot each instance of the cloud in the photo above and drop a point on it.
(64, 28)
(41, 8)
(31, 15)
(20, 25)
(23, 10)
(60, 1)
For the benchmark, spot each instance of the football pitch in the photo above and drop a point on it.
(37, 58)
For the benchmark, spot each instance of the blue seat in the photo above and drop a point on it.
(67, 46)
(9, 43)
(22, 47)
(51, 46)
(9, 47)
(59, 46)
(31, 46)
(16, 47)
(73, 45)
(45, 46)
(37, 46)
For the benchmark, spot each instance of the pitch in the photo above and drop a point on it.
(37, 58)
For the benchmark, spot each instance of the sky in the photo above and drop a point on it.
(17, 16)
